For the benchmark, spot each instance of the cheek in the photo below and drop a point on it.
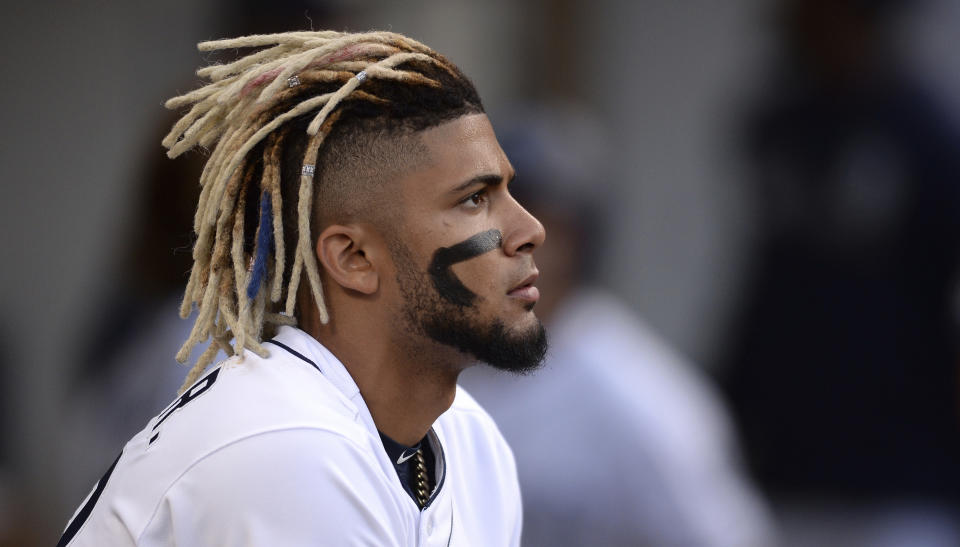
(480, 275)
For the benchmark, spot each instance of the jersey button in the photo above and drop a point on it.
(429, 527)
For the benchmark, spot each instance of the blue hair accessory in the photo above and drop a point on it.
(264, 246)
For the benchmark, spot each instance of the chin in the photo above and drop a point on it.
(520, 349)
(523, 324)
(517, 346)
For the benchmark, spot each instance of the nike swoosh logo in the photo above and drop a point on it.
(404, 457)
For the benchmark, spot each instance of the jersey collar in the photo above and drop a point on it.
(314, 353)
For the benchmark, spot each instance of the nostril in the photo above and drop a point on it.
(525, 247)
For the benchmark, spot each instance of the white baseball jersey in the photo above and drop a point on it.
(283, 451)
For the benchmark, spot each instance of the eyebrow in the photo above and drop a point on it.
(486, 180)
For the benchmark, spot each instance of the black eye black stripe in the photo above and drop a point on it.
(444, 280)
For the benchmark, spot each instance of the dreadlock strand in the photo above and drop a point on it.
(228, 313)
(301, 251)
(368, 97)
(294, 283)
(400, 58)
(199, 128)
(259, 310)
(399, 40)
(351, 65)
(276, 287)
(224, 342)
(242, 84)
(259, 40)
(186, 304)
(201, 326)
(197, 369)
(279, 319)
(194, 96)
(344, 90)
(380, 72)
(271, 184)
(207, 137)
(198, 110)
(240, 269)
(215, 73)
(304, 206)
(336, 59)
(243, 109)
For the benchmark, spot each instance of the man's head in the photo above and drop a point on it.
(364, 161)
(463, 261)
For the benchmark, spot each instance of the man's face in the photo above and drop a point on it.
(464, 256)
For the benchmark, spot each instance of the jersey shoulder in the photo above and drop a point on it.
(467, 423)
(466, 409)
(240, 412)
(481, 470)
(253, 395)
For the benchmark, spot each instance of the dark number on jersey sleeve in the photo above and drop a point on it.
(195, 391)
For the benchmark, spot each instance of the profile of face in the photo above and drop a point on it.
(464, 258)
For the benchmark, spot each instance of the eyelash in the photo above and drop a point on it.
(476, 199)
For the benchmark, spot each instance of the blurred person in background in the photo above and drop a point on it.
(618, 440)
(842, 366)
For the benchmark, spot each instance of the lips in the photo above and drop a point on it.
(526, 291)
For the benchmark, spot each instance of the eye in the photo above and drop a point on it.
(476, 199)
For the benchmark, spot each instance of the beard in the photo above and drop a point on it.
(426, 312)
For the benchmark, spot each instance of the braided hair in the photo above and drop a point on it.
(273, 120)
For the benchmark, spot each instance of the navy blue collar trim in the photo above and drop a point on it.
(295, 353)
(441, 459)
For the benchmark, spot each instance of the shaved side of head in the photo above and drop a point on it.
(356, 176)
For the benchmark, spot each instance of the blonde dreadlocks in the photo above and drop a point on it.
(260, 175)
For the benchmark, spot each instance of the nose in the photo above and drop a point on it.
(523, 232)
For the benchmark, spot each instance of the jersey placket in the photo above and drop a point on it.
(435, 525)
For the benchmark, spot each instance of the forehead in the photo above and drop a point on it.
(458, 151)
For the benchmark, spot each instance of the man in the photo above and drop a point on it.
(355, 189)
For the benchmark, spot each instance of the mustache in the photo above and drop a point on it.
(447, 284)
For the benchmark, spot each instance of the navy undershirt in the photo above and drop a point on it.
(407, 470)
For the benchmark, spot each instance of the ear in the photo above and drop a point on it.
(348, 254)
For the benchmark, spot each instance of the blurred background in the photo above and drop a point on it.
(754, 208)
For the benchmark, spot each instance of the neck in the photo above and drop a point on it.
(406, 388)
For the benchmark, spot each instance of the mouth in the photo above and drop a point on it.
(526, 291)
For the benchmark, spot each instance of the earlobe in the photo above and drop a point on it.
(342, 253)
